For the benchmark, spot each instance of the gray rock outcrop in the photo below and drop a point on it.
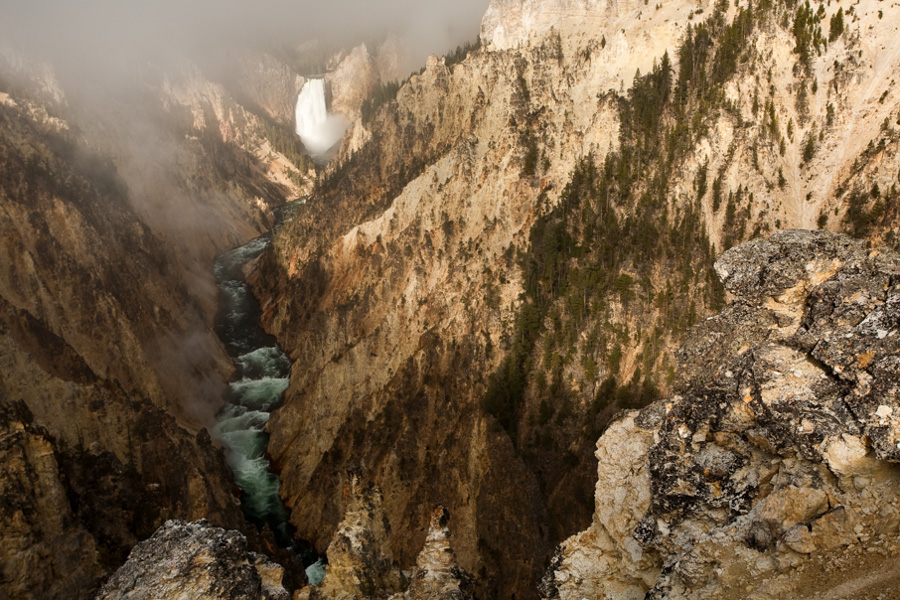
(773, 472)
(195, 561)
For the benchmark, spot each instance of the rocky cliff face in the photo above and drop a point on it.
(773, 470)
(540, 218)
(45, 548)
(109, 367)
(197, 560)
(500, 258)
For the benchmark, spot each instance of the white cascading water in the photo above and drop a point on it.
(318, 130)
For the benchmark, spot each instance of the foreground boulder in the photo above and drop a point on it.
(195, 561)
(773, 471)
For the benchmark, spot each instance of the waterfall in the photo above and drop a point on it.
(318, 130)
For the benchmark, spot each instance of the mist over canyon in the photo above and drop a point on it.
(508, 299)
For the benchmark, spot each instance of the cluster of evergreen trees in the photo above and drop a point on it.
(615, 226)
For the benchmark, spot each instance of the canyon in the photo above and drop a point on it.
(110, 367)
(404, 286)
(522, 293)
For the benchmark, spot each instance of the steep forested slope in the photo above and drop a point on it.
(523, 241)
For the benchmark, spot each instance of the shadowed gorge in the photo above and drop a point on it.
(598, 304)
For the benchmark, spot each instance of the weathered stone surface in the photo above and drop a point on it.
(110, 218)
(780, 447)
(195, 561)
(360, 563)
(623, 494)
(45, 552)
(437, 575)
(380, 289)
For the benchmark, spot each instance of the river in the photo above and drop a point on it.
(261, 377)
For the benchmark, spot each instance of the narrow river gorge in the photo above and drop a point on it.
(261, 376)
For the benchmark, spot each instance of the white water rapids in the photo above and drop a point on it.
(262, 376)
(318, 130)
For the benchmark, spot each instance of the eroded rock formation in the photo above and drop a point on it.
(361, 565)
(400, 287)
(45, 551)
(773, 471)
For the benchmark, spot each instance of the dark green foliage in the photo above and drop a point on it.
(861, 216)
(639, 392)
(770, 124)
(524, 96)
(807, 32)
(383, 93)
(802, 103)
(809, 146)
(618, 242)
(731, 44)
(717, 193)
(731, 210)
(530, 161)
(583, 254)
(286, 142)
(836, 25)
(701, 180)
(461, 52)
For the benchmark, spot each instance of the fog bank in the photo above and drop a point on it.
(99, 34)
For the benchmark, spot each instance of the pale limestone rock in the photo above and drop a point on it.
(792, 505)
(360, 562)
(605, 561)
(757, 471)
(351, 82)
(848, 456)
(437, 575)
(384, 291)
(379, 302)
(625, 35)
(799, 539)
(835, 529)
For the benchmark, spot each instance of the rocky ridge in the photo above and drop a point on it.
(199, 561)
(41, 535)
(773, 470)
(398, 286)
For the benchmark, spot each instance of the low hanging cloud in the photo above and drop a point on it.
(96, 34)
